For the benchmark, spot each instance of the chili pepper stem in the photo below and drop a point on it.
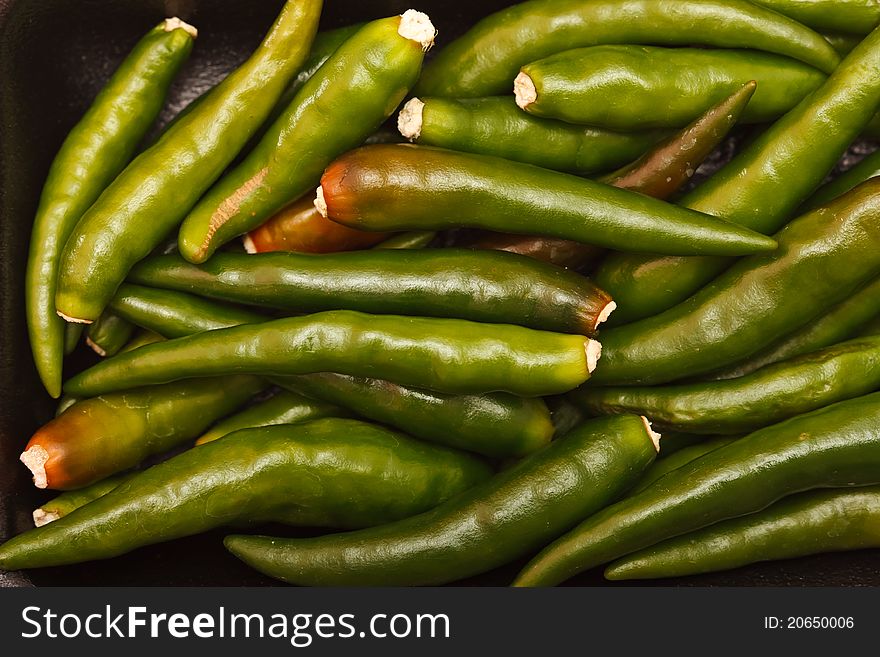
(35, 458)
(96, 348)
(44, 517)
(524, 89)
(175, 23)
(655, 437)
(409, 121)
(593, 350)
(416, 26)
(72, 320)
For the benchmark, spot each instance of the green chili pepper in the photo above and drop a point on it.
(351, 95)
(153, 194)
(619, 87)
(868, 168)
(761, 187)
(98, 437)
(496, 126)
(141, 338)
(284, 407)
(71, 500)
(816, 522)
(844, 44)
(405, 187)
(843, 321)
(678, 459)
(482, 286)
(848, 16)
(674, 441)
(486, 59)
(95, 151)
(498, 424)
(871, 328)
(325, 473)
(444, 355)
(72, 335)
(416, 239)
(108, 334)
(832, 447)
(493, 523)
(756, 302)
(176, 314)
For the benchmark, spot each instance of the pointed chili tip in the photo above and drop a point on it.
(416, 26)
(320, 202)
(593, 350)
(96, 348)
(175, 23)
(72, 320)
(606, 312)
(35, 458)
(44, 517)
(655, 437)
(524, 89)
(409, 121)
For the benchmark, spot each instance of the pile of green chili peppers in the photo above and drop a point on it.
(448, 355)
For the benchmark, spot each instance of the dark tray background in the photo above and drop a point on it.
(54, 57)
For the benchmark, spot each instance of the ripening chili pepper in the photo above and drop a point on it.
(300, 227)
(555, 250)
(496, 126)
(496, 424)
(761, 187)
(485, 60)
(481, 286)
(814, 522)
(835, 446)
(98, 437)
(349, 97)
(663, 466)
(492, 524)
(869, 167)
(108, 334)
(847, 16)
(444, 355)
(324, 473)
(756, 302)
(69, 501)
(620, 87)
(153, 194)
(284, 407)
(407, 187)
(94, 152)
(768, 395)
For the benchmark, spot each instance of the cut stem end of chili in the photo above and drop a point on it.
(409, 121)
(35, 458)
(320, 203)
(416, 26)
(593, 350)
(97, 349)
(175, 23)
(524, 89)
(606, 313)
(72, 320)
(44, 517)
(655, 437)
(248, 242)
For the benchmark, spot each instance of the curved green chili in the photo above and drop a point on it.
(619, 87)
(325, 473)
(486, 59)
(71, 500)
(834, 446)
(761, 187)
(680, 458)
(847, 16)
(493, 523)
(757, 301)
(810, 523)
(351, 95)
(153, 194)
(497, 424)
(108, 334)
(94, 152)
(868, 168)
(406, 187)
(496, 126)
(482, 286)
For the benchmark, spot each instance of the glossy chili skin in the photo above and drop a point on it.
(757, 301)
(154, 193)
(284, 407)
(663, 466)
(301, 228)
(414, 239)
(843, 321)
(485, 60)
(847, 16)
(72, 335)
(835, 446)
(498, 424)
(493, 523)
(768, 395)
(444, 355)
(762, 187)
(108, 334)
(815, 522)
(482, 286)
(94, 152)
(496, 126)
(407, 187)
(660, 172)
(174, 314)
(69, 501)
(347, 99)
(619, 87)
(868, 168)
(101, 436)
(325, 473)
